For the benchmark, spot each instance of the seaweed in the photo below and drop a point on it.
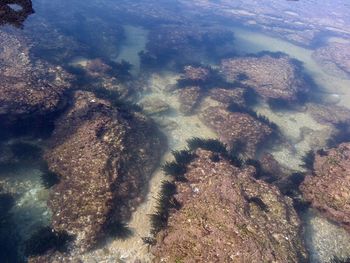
(46, 239)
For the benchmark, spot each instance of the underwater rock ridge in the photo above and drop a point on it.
(104, 159)
(328, 187)
(15, 17)
(228, 216)
(30, 91)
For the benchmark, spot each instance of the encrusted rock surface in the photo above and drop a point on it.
(27, 88)
(271, 77)
(334, 58)
(8, 15)
(104, 158)
(234, 127)
(189, 98)
(227, 96)
(228, 216)
(328, 188)
(301, 22)
(329, 114)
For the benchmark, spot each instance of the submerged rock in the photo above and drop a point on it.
(271, 77)
(227, 96)
(328, 188)
(236, 127)
(334, 58)
(228, 216)
(104, 158)
(28, 89)
(189, 98)
(13, 16)
(155, 106)
(329, 114)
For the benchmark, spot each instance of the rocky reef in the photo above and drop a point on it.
(15, 17)
(270, 76)
(237, 128)
(298, 22)
(328, 186)
(331, 115)
(29, 90)
(104, 158)
(334, 58)
(228, 216)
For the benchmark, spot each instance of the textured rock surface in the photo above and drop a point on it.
(334, 58)
(27, 87)
(14, 17)
(233, 127)
(271, 77)
(189, 99)
(104, 158)
(298, 22)
(328, 188)
(228, 216)
(227, 96)
(329, 114)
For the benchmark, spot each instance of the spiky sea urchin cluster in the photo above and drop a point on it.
(46, 239)
(207, 144)
(308, 160)
(166, 201)
(177, 168)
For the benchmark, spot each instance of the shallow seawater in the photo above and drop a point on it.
(131, 52)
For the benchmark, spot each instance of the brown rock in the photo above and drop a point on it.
(104, 158)
(228, 216)
(271, 77)
(227, 96)
(27, 89)
(14, 17)
(329, 114)
(328, 188)
(189, 99)
(233, 127)
(334, 58)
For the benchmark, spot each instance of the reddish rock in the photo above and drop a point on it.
(233, 127)
(104, 158)
(270, 77)
(27, 88)
(189, 99)
(196, 73)
(329, 114)
(14, 17)
(328, 188)
(334, 58)
(228, 216)
(227, 96)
